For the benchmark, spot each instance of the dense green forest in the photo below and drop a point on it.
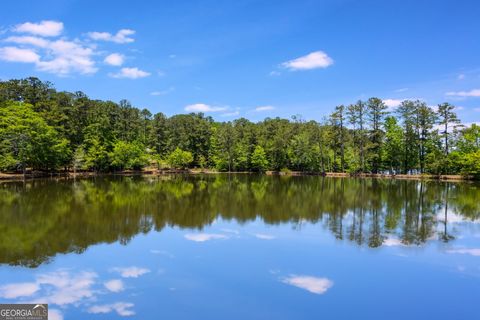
(45, 129)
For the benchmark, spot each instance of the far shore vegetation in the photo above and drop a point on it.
(45, 130)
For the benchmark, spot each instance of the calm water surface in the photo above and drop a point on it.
(241, 247)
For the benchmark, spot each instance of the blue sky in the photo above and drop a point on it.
(249, 58)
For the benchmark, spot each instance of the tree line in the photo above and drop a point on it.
(45, 129)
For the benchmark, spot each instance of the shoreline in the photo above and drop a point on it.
(383, 176)
(155, 172)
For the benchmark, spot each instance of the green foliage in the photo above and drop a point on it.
(448, 121)
(469, 141)
(407, 112)
(43, 129)
(338, 137)
(259, 159)
(222, 146)
(26, 141)
(356, 114)
(78, 161)
(190, 132)
(376, 111)
(471, 164)
(97, 157)
(128, 155)
(159, 134)
(180, 159)
(202, 162)
(393, 145)
(285, 171)
(302, 153)
(274, 136)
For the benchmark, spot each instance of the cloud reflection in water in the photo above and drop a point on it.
(312, 284)
(65, 287)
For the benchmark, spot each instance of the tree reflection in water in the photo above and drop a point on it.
(41, 218)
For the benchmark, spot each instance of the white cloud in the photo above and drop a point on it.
(59, 288)
(454, 218)
(461, 76)
(312, 284)
(115, 285)
(63, 56)
(122, 36)
(14, 54)
(54, 314)
(130, 73)
(121, 308)
(63, 288)
(202, 237)
(314, 60)
(114, 59)
(68, 57)
(452, 126)
(131, 272)
(264, 108)
(100, 309)
(15, 290)
(401, 90)
(473, 252)
(162, 92)
(201, 107)
(476, 109)
(468, 125)
(392, 103)
(34, 41)
(67, 288)
(60, 57)
(392, 242)
(274, 73)
(46, 28)
(471, 93)
(264, 236)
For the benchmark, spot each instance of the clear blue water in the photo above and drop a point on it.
(242, 247)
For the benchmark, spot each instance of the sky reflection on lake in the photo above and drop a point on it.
(241, 247)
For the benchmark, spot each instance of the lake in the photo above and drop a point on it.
(241, 247)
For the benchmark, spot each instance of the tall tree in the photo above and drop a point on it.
(356, 117)
(159, 135)
(223, 146)
(246, 139)
(393, 145)
(274, 136)
(426, 119)
(447, 119)
(407, 112)
(337, 119)
(376, 111)
(146, 117)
